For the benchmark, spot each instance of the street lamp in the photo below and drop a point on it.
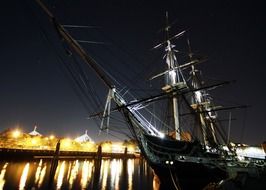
(16, 133)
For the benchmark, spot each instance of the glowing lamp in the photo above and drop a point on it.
(16, 133)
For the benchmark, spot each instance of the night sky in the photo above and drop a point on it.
(35, 91)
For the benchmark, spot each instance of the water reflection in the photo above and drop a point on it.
(130, 171)
(43, 171)
(2, 175)
(73, 173)
(156, 183)
(116, 168)
(69, 171)
(86, 173)
(108, 174)
(104, 173)
(24, 176)
(60, 176)
(38, 172)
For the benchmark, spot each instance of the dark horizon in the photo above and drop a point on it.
(35, 91)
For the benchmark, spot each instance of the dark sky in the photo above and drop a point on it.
(35, 91)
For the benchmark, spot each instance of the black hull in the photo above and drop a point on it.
(187, 176)
(181, 174)
(201, 178)
(187, 165)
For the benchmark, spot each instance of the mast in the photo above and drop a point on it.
(174, 79)
(198, 98)
(113, 94)
(64, 35)
(201, 102)
(74, 45)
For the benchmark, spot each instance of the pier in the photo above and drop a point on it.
(16, 145)
(20, 154)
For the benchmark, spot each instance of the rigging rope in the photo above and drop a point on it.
(176, 185)
(75, 83)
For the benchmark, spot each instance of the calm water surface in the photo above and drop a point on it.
(77, 174)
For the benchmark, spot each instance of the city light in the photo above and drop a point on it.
(16, 139)
(131, 149)
(51, 137)
(16, 133)
(107, 147)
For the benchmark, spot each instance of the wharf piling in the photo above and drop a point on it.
(54, 163)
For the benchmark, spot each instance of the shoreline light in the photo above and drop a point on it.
(16, 133)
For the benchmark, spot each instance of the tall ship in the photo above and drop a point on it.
(177, 130)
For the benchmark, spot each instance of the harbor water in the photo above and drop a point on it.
(77, 174)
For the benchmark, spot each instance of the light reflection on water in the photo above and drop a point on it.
(130, 171)
(108, 174)
(86, 174)
(60, 175)
(24, 176)
(104, 173)
(116, 167)
(43, 171)
(2, 175)
(38, 172)
(73, 173)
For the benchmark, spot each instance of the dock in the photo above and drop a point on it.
(22, 154)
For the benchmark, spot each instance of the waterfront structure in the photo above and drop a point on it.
(35, 132)
(84, 138)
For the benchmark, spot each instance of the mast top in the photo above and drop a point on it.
(167, 26)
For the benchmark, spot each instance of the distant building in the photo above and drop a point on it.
(251, 152)
(84, 138)
(35, 132)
